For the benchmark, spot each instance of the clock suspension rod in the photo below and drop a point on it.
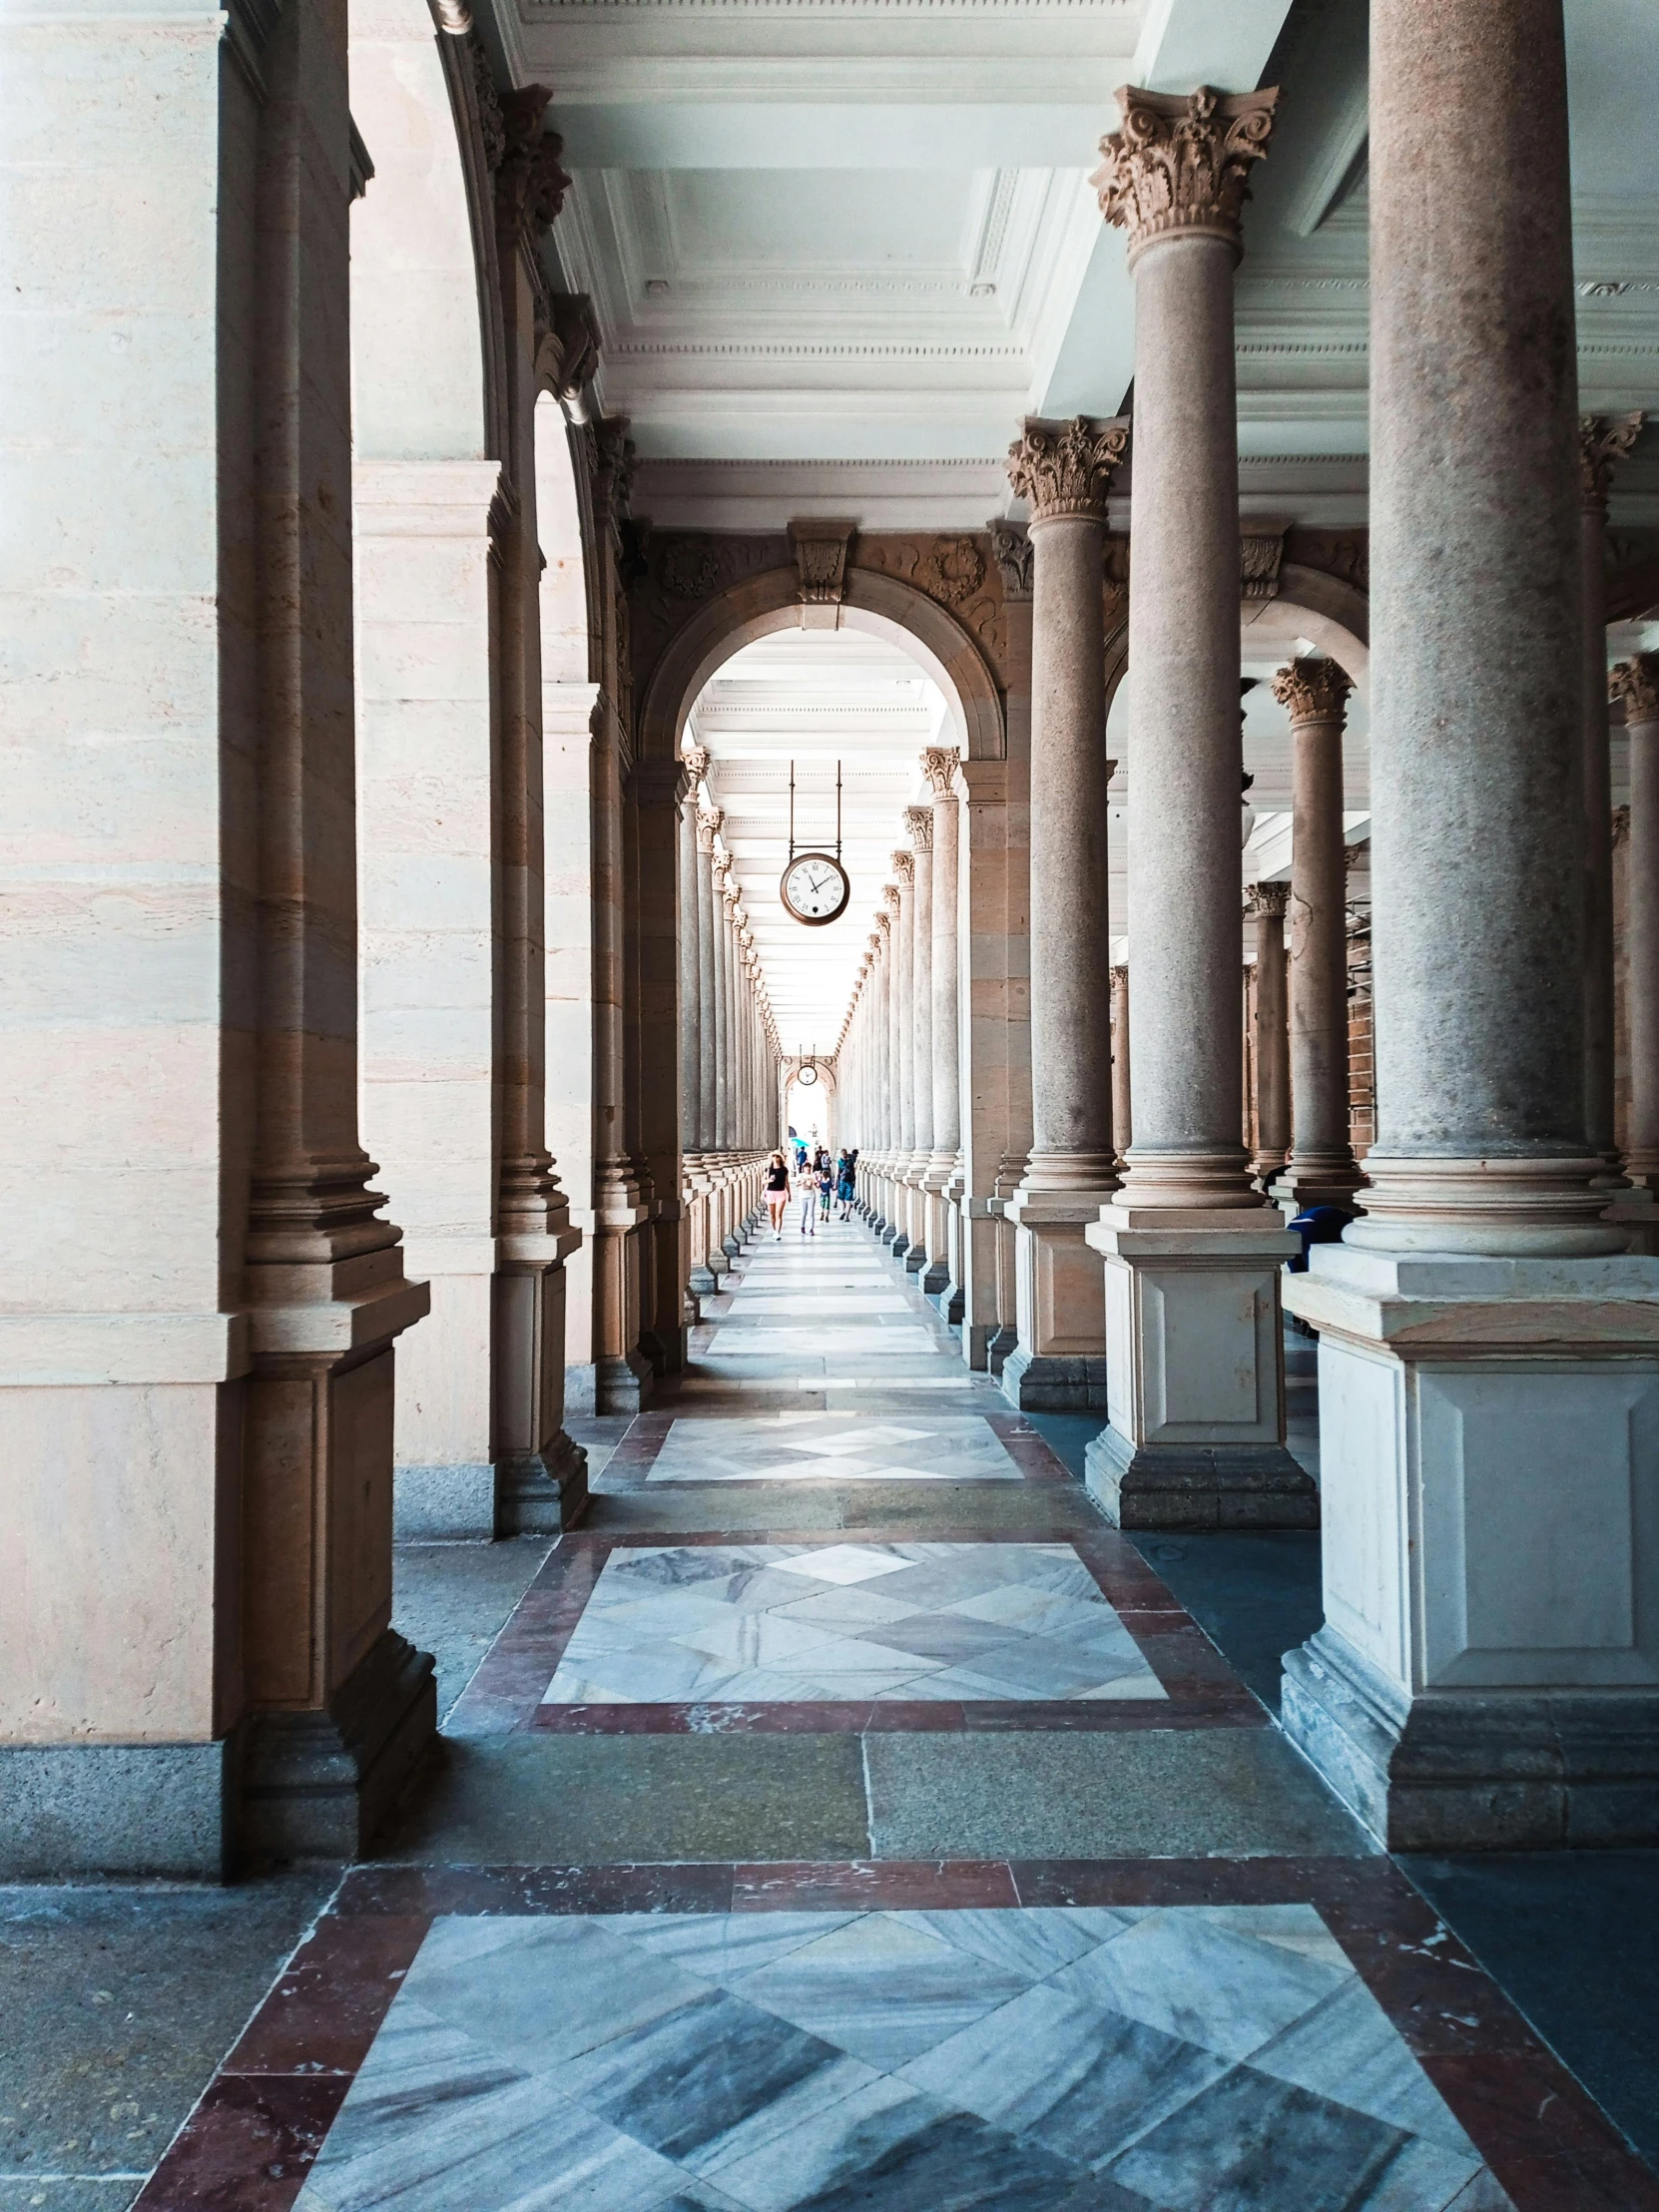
(792, 813)
(838, 810)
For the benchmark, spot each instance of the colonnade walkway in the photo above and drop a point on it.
(846, 1816)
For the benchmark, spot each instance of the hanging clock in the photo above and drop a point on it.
(815, 888)
(807, 1073)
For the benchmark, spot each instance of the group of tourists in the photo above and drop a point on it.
(820, 1183)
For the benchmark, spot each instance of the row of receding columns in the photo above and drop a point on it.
(899, 1059)
(1487, 1672)
(729, 1052)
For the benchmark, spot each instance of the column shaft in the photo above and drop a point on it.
(1267, 904)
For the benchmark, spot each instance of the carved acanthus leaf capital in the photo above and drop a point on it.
(940, 766)
(1065, 468)
(1181, 163)
(1312, 690)
(1603, 441)
(696, 758)
(1266, 901)
(918, 825)
(884, 921)
(1621, 825)
(1635, 683)
(903, 865)
(876, 944)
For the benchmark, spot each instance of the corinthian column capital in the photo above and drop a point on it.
(1178, 168)
(1312, 690)
(1603, 441)
(1065, 468)
(883, 920)
(1266, 901)
(905, 867)
(939, 768)
(1636, 684)
(919, 823)
(707, 824)
(696, 758)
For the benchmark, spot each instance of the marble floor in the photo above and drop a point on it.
(844, 1817)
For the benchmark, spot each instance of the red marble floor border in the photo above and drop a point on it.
(257, 2128)
(505, 1694)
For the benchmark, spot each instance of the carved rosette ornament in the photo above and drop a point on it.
(1635, 684)
(1604, 441)
(1266, 901)
(954, 570)
(1065, 468)
(918, 825)
(1179, 168)
(1312, 690)
(939, 766)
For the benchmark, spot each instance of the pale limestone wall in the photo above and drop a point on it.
(125, 977)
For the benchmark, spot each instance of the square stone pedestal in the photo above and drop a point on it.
(1488, 1676)
(1196, 1404)
(1058, 1364)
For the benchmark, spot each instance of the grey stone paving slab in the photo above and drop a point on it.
(569, 1800)
(453, 1600)
(116, 2004)
(1199, 1793)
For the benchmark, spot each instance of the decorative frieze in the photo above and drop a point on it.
(530, 185)
(1261, 554)
(1180, 165)
(1313, 689)
(1067, 468)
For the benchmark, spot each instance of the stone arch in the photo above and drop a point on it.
(1335, 615)
(882, 606)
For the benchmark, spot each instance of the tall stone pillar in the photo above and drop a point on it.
(1266, 904)
(944, 1179)
(657, 791)
(708, 1047)
(1603, 441)
(922, 1203)
(1322, 1170)
(875, 1128)
(1063, 470)
(901, 1064)
(1122, 1110)
(693, 1021)
(1192, 1252)
(1635, 684)
(730, 1139)
(1487, 1675)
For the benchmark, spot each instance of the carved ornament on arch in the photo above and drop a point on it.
(1011, 550)
(530, 184)
(1180, 164)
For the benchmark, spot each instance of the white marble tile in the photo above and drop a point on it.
(832, 1622)
(791, 1446)
(900, 2061)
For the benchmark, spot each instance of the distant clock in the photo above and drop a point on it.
(815, 888)
(807, 1074)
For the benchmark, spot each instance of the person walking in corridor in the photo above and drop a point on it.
(778, 1192)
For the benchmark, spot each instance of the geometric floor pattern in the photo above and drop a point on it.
(1048, 2059)
(755, 1623)
(835, 1447)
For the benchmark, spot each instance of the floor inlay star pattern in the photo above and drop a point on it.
(755, 1623)
(835, 1447)
(1058, 2060)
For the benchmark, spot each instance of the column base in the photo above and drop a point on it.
(478, 1500)
(1000, 1345)
(949, 1302)
(545, 1494)
(1053, 1382)
(162, 1810)
(706, 1277)
(623, 1384)
(1475, 1771)
(316, 1785)
(1294, 1190)
(1198, 1486)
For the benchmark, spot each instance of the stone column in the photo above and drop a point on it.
(1063, 470)
(1489, 1354)
(694, 1024)
(926, 1209)
(656, 791)
(708, 1042)
(728, 902)
(945, 1259)
(887, 923)
(1603, 441)
(1266, 904)
(1322, 1170)
(1122, 1114)
(1196, 1433)
(901, 906)
(1635, 684)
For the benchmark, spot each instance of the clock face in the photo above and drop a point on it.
(807, 1074)
(815, 888)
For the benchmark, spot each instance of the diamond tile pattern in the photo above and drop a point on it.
(835, 1447)
(756, 1624)
(1134, 2059)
